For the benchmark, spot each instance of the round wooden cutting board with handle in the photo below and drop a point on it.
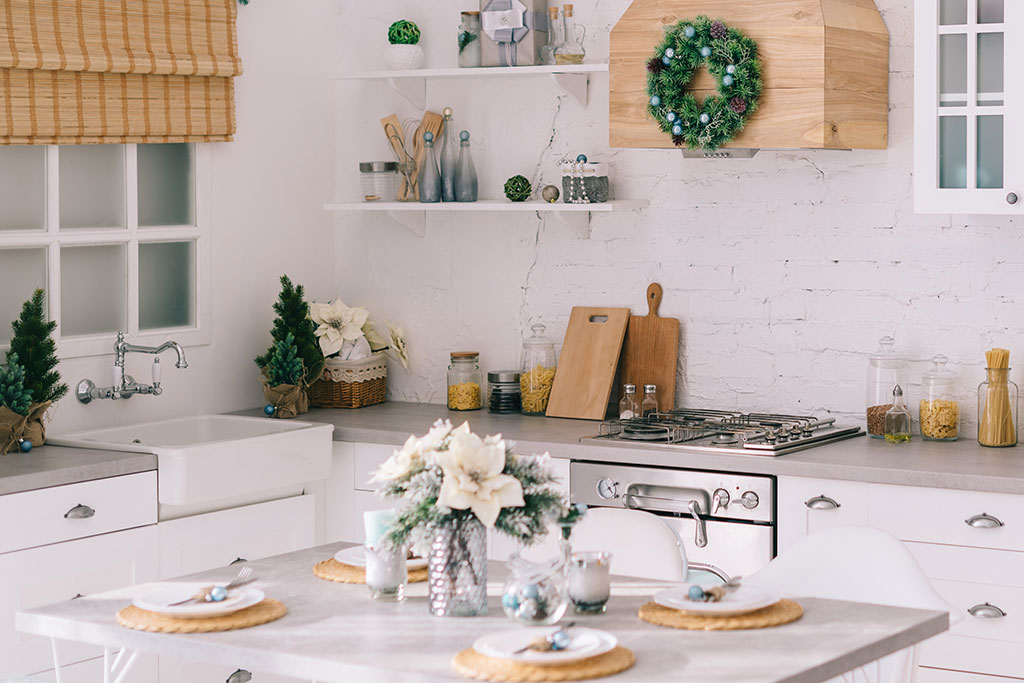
(651, 351)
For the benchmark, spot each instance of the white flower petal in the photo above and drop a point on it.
(486, 511)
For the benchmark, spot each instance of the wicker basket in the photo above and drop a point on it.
(351, 383)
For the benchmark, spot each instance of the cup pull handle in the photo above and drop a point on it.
(237, 560)
(986, 611)
(239, 676)
(984, 521)
(822, 502)
(80, 512)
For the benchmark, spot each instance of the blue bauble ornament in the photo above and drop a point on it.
(218, 594)
(560, 640)
(677, 129)
(464, 135)
(531, 591)
(704, 118)
(666, 61)
(730, 69)
(671, 116)
(689, 32)
(428, 136)
(581, 158)
(655, 101)
(269, 410)
(25, 446)
(510, 601)
(727, 80)
(670, 53)
(696, 593)
(704, 52)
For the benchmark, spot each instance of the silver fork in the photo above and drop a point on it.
(550, 638)
(245, 576)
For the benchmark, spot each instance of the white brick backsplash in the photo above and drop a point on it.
(784, 269)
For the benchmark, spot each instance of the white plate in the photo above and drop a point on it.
(356, 556)
(586, 642)
(739, 601)
(160, 598)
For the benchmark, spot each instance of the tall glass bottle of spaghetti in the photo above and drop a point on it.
(538, 371)
(997, 403)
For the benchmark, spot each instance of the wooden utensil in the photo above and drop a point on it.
(651, 350)
(434, 123)
(406, 165)
(590, 355)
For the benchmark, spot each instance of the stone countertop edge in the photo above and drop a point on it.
(961, 465)
(48, 466)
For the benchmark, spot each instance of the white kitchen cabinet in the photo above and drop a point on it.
(349, 492)
(968, 106)
(337, 498)
(53, 573)
(216, 539)
(201, 672)
(808, 505)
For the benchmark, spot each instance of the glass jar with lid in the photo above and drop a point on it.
(503, 394)
(464, 381)
(538, 371)
(378, 180)
(940, 410)
(886, 369)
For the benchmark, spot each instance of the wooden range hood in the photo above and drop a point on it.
(825, 65)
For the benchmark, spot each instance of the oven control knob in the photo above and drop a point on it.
(749, 500)
(607, 489)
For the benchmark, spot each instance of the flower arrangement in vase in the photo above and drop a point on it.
(458, 486)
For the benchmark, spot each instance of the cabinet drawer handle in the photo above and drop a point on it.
(237, 560)
(240, 676)
(986, 611)
(983, 521)
(822, 502)
(79, 512)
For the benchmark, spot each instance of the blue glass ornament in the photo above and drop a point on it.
(677, 129)
(731, 69)
(269, 410)
(705, 51)
(428, 136)
(510, 601)
(666, 61)
(671, 116)
(704, 118)
(531, 591)
(727, 80)
(560, 640)
(25, 446)
(217, 594)
(689, 32)
(655, 101)
(581, 158)
(696, 593)
(670, 53)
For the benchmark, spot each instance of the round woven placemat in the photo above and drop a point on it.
(472, 664)
(332, 570)
(143, 620)
(780, 613)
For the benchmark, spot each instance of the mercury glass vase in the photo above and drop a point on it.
(457, 569)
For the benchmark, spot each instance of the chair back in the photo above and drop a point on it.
(641, 544)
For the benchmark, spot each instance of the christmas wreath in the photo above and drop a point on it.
(731, 59)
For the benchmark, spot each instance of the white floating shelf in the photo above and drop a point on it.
(413, 214)
(412, 83)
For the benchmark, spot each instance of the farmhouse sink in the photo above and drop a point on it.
(209, 458)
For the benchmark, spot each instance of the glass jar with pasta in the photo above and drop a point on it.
(464, 381)
(538, 371)
(940, 409)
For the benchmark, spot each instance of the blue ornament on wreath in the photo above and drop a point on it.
(670, 53)
(655, 101)
(666, 61)
(689, 32)
(704, 118)
(677, 129)
(671, 116)
(731, 69)
(705, 51)
(727, 80)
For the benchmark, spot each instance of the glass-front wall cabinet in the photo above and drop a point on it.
(969, 106)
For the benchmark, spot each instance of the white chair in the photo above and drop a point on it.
(641, 544)
(858, 564)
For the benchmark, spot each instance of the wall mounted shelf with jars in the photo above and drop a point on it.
(968, 106)
(413, 215)
(574, 79)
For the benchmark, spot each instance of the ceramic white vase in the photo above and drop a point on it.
(403, 57)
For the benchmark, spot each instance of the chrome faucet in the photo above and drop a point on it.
(125, 386)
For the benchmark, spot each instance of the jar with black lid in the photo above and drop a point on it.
(504, 394)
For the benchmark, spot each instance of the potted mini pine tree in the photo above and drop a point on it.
(282, 383)
(293, 319)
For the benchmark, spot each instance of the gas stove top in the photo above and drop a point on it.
(724, 431)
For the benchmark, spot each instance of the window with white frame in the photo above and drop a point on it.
(117, 235)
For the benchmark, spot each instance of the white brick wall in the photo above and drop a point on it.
(784, 269)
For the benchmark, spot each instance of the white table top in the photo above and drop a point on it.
(334, 632)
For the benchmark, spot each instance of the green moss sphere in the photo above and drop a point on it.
(403, 32)
(517, 188)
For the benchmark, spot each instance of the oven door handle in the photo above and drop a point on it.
(634, 501)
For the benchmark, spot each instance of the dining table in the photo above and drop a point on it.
(335, 633)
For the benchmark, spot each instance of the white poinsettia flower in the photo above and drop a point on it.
(338, 323)
(472, 477)
(398, 345)
(409, 456)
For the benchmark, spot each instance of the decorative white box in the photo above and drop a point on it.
(512, 32)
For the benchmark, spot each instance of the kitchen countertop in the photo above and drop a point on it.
(956, 465)
(334, 632)
(48, 466)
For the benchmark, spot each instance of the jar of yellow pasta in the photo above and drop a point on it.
(464, 381)
(940, 410)
(538, 372)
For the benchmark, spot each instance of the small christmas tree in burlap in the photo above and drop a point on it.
(284, 366)
(293, 318)
(33, 343)
(14, 395)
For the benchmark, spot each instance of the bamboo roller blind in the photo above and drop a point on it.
(114, 71)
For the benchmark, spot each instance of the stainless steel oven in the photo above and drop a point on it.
(725, 520)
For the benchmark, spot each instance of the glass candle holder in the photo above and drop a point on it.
(589, 581)
(386, 572)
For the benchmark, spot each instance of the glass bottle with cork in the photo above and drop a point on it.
(897, 419)
(469, 40)
(538, 371)
(547, 51)
(570, 50)
(886, 369)
(464, 381)
(940, 410)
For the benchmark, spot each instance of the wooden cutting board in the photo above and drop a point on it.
(651, 351)
(590, 356)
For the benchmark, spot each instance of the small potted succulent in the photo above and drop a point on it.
(403, 51)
